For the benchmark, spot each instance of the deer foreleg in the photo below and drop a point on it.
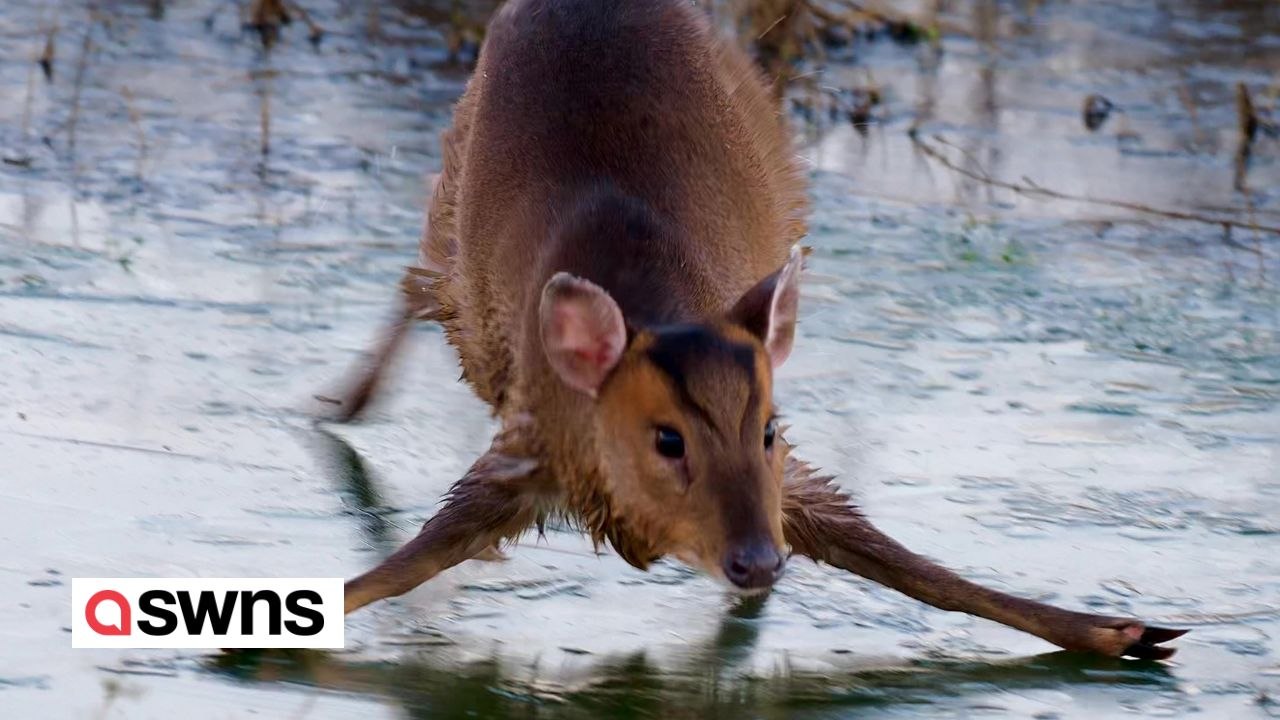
(820, 522)
(494, 501)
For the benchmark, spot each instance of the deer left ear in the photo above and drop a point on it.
(769, 309)
(583, 333)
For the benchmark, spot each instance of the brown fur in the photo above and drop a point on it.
(616, 159)
(722, 504)
(625, 143)
(679, 121)
(822, 523)
(736, 195)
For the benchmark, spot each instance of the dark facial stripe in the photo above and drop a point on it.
(749, 412)
(677, 350)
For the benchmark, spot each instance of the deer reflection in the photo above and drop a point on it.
(706, 680)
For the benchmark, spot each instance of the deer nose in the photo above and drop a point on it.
(754, 566)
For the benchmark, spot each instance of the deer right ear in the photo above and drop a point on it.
(768, 310)
(583, 332)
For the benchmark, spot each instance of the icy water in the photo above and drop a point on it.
(1077, 402)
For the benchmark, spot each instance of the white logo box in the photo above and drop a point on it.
(301, 602)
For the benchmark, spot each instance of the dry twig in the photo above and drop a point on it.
(1029, 188)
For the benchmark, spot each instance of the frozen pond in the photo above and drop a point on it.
(1073, 401)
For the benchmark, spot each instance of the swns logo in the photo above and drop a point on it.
(206, 613)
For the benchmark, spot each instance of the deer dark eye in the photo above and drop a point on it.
(770, 433)
(669, 443)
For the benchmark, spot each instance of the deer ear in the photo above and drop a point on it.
(768, 310)
(583, 332)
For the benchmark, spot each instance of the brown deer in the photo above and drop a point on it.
(611, 248)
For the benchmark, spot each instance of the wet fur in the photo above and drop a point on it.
(822, 523)
(587, 160)
(602, 138)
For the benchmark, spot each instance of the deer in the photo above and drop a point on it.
(612, 248)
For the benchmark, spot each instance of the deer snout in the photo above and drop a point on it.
(754, 566)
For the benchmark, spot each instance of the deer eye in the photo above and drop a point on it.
(669, 443)
(770, 433)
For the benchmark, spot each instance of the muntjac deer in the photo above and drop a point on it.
(611, 248)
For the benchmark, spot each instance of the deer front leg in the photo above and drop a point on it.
(820, 522)
(494, 501)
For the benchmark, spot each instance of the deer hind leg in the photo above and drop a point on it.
(421, 288)
(820, 522)
(418, 301)
(494, 501)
